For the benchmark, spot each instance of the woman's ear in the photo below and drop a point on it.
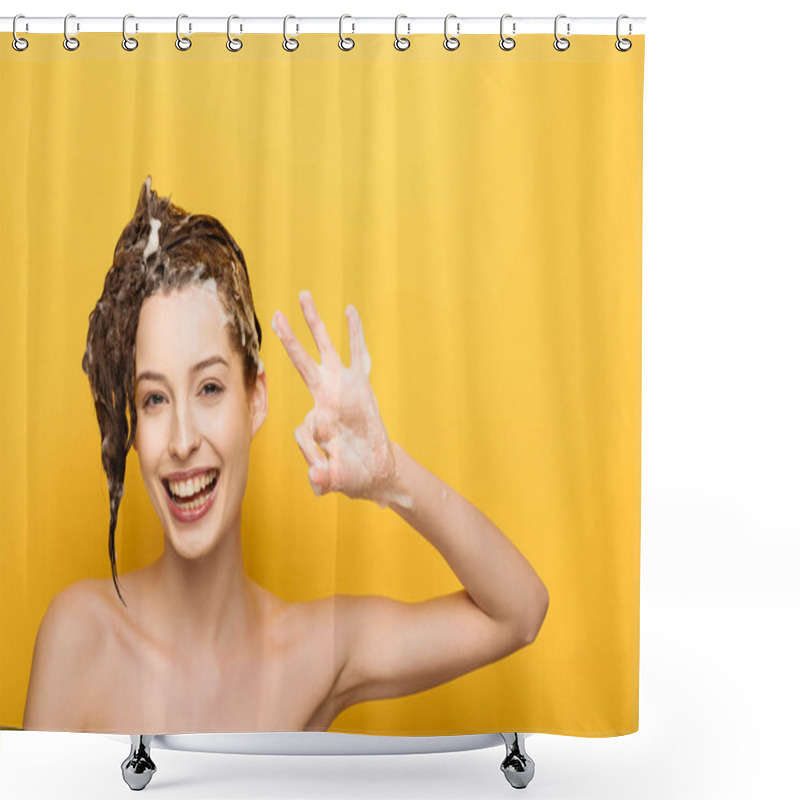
(259, 403)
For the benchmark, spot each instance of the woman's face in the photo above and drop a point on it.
(193, 416)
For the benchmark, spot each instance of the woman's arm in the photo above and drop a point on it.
(390, 648)
(62, 656)
(497, 577)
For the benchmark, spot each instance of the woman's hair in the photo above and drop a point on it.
(162, 248)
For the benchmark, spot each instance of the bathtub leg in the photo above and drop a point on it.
(517, 766)
(138, 767)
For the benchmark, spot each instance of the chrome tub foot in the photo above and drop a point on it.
(138, 768)
(517, 766)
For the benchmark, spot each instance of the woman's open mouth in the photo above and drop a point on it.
(189, 501)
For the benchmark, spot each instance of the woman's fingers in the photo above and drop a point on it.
(305, 365)
(345, 408)
(325, 346)
(318, 466)
(359, 356)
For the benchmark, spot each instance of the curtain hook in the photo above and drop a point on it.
(345, 42)
(561, 43)
(623, 48)
(289, 44)
(18, 43)
(506, 42)
(451, 42)
(233, 44)
(70, 42)
(182, 43)
(400, 42)
(128, 42)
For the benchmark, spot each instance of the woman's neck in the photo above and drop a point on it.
(204, 604)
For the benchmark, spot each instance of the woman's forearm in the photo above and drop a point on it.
(494, 573)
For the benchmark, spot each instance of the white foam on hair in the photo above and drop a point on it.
(152, 241)
(210, 285)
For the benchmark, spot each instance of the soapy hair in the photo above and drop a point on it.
(162, 248)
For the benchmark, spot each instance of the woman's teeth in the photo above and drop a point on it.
(191, 506)
(189, 488)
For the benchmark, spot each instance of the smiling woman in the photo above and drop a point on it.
(197, 643)
(162, 249)
(196, 418)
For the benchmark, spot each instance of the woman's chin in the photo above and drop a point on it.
(192, 542)
(193, 546)
(193, 530)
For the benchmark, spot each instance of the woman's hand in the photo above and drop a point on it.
(345, 423)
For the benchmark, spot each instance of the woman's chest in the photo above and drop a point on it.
(271, 687)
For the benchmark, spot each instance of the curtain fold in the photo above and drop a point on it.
(481, 210)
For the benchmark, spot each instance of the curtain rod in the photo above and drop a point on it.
(408, 26)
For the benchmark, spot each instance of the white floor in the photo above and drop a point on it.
(718, 718)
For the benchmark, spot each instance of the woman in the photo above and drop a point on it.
(197, 645)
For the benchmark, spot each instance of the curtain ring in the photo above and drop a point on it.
(400, 42)
(345, 42)
(70, 42)
(233, 44)
(623, 48)
(289, 44)
(182, 42)
(18, 43)
(561, 43)
(450, 42)
(128, 42)
(506, 42)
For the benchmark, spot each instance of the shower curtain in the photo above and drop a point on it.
(480, 209)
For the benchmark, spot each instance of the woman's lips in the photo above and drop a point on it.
(185, 515)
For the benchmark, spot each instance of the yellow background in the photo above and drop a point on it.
(482, 211)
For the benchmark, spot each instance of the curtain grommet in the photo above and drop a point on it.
(451, 42)
(18, 43)
(289, 44)
(561, 43)
(70, 42)
(183, 43)
(129, 43)
(506, 42)
(345, 42)
(623, 45)
(233, 44)
(400, 42)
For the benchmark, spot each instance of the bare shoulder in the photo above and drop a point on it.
(308, 623)
(72, 614)
(68, 637)
(313, 630)
(339, 625)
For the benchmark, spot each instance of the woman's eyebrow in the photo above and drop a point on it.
(201, 365)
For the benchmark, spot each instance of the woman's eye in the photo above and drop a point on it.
(153, 397)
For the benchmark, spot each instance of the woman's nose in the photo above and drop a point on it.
(184, 436)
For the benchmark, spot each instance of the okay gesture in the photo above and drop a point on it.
(356, 455)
